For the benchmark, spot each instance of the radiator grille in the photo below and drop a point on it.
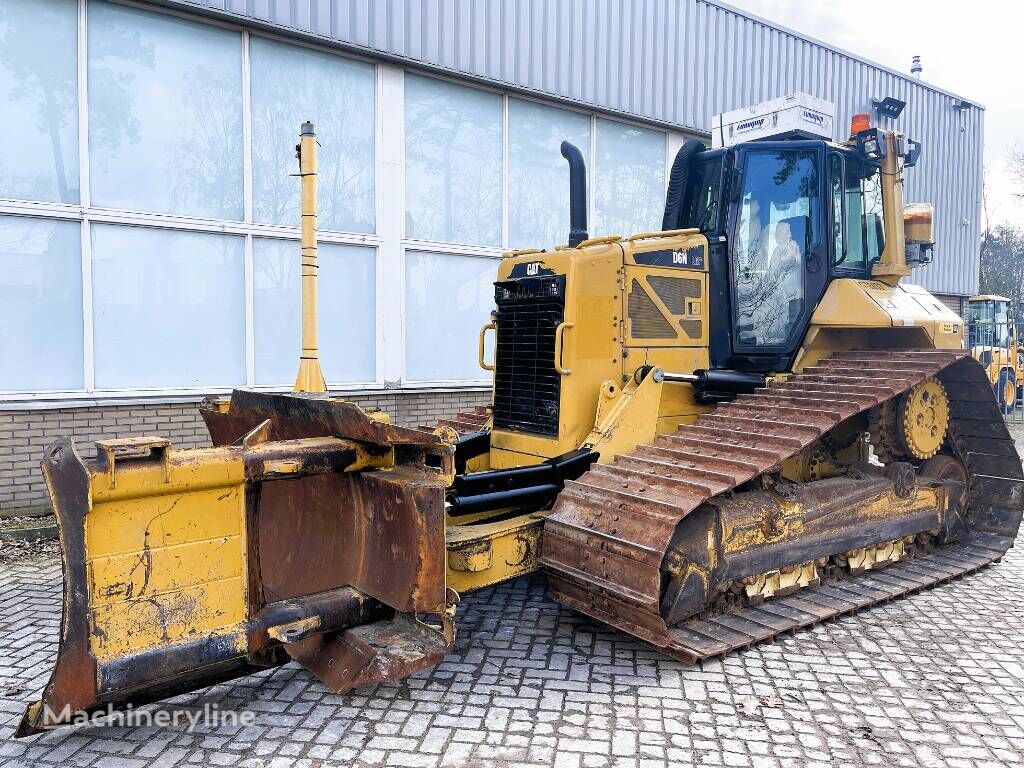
(526, 384)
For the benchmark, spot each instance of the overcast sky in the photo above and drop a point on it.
(974, 49)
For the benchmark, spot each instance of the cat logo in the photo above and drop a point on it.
(533, 268)
(679, 257)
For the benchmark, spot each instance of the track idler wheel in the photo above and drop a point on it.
(943, 467)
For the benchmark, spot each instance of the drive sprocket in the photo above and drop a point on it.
(913, 425)
(923, 418)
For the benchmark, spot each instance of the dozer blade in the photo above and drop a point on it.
(310, 530)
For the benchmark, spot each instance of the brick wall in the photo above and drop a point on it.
(24, 434)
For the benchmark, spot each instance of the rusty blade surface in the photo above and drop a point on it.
(370, 653)
(295, 416)
(609, 532)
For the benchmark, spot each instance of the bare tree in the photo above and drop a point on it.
(1002, 264)
(1002, 246)
(1016, 164)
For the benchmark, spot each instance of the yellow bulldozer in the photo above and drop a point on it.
(737, 426)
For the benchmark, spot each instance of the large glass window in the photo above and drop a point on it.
(447, 299)
(629, 183)
(292, 84)
(165, 113)
(453, 162)
(538, 176)
(39, 94)
(169, 308)
(40, 304)
(347, 311)
(167, 137)
(773, 236)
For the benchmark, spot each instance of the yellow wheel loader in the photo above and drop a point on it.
(992, 341)
(738, 426)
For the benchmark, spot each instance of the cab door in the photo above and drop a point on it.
(778, 251)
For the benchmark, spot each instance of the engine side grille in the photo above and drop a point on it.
(674, 291)
(691, 328)
(645, 319)
(526, 384)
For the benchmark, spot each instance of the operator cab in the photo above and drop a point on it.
(783, 215)
(989, 321)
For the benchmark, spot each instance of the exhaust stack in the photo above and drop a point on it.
(310, 377)
(577, 194)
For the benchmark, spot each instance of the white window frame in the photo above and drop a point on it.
(389, 239)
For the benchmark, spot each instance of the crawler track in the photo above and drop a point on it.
(608, 533)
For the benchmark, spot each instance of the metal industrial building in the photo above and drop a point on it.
(148, 224)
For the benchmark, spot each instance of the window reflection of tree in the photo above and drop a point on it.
(630, 189)
(538, 176)
(207, 160)
(49, 84)
(110, 123)
(289, 85)
(165, 114)
(873, 214)
(763, 307)
(453, 164)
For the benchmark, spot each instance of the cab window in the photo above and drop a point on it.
(860, 243)
(989, 324)
(700, 208)
(774, 234)
(872, 219)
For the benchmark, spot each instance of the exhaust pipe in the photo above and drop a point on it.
(577, 194)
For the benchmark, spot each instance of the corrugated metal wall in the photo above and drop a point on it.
(670, 61)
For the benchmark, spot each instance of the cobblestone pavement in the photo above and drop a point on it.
(936, 679)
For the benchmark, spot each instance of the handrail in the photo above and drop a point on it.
(480, 348)
(665, 233)
(600, 240)
(559, 342)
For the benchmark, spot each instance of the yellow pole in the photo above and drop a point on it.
(310, 378)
